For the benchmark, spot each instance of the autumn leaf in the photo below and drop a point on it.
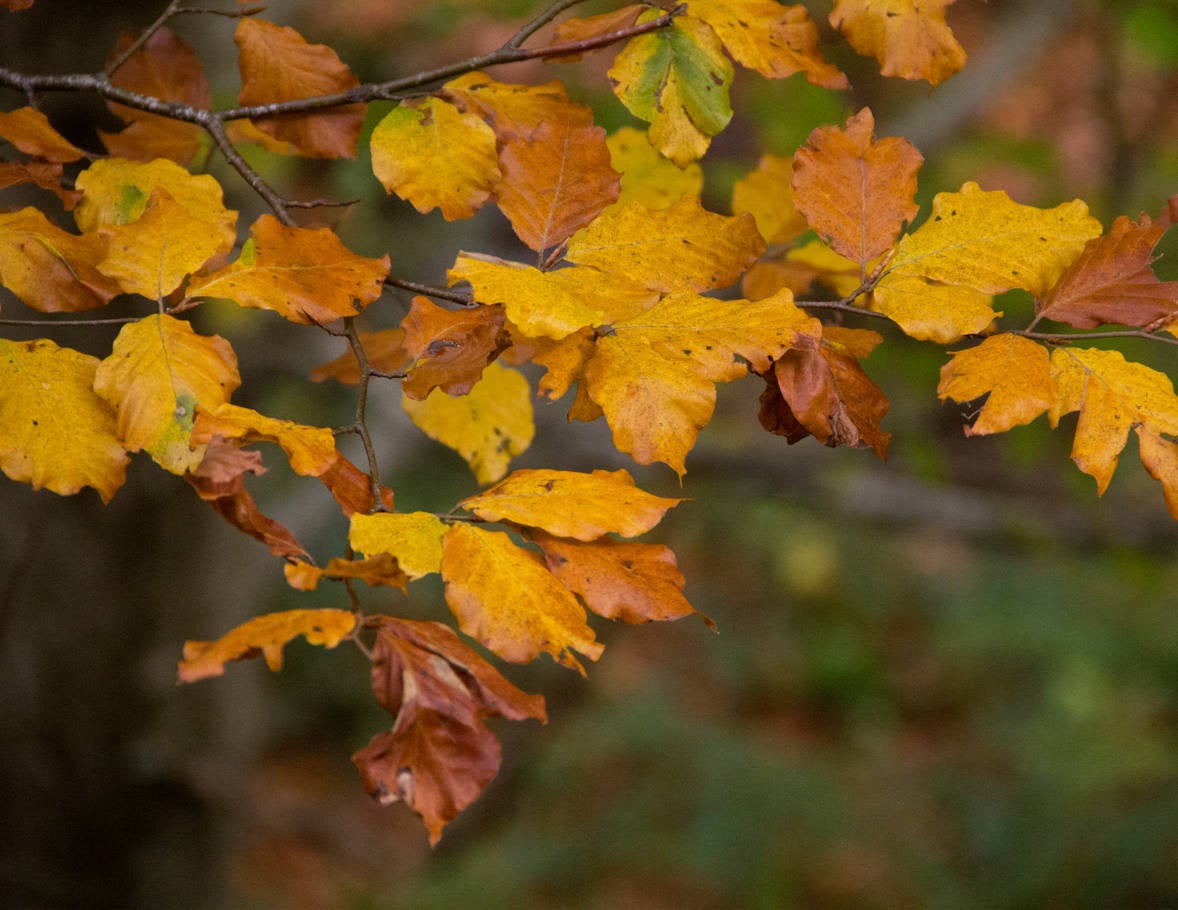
(29, 130)
(855, 190)
(775, 40)
(158, 372)
(277, 64)
(515, 112)
(488, 426)
(583, 28)
(1112, 281)
(380, 571)
(676, 79)
(311, 450)
(909, 38)
(305, 275)
(439, 754)
(654, 376)
(449, 349)
(352, 488)
(219, 481)
(1113, 395)
(682, 247)
(505, 598)
(555, 181)
(572, 504)
(648, 177)
(619, 579)
(384, 349)
(168, 69)
(45, 174)
(767, 194)
(55, 432)
(434, 156)
(414, 538)
(1013, 373)
(49, 269)
(266, 635)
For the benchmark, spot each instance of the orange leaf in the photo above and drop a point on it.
(385, 351)
(450, 348)
(572, 504)
(30, 131)
(305, 275)
(623, 580)
(49, 269)
(1013, 373)
(586, 27)
(158, 372)
(515, 112)
(1112, 281)
(505, 598)
(311, 450)
(379, 571)
(277, 64)
(54, 431)
(439, 754)
(555, 182)
(266, 635)
(908, 37)
(855, 190)
(352, 488)
(45, 174)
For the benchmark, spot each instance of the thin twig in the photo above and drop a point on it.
(540, 21)
(430, 290)
(361, 423)
(146, 35)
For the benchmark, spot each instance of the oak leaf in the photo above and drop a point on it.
(414, 538)
(572, 504)
(434, 156)
(775, 40)
(310, 450)
(305, 275)
(488, 426)
(379, 571)
(29, 130)
(158, 372)
(767, 194)
(49, 269)
(55, 432)
(505, 598)
(266, 635)
(648, 177)
(1013, 373)
(682, 247)
(1112, 281)
(855, 190)
(909, 38)
(676, 79)
(277, 64)
(449, 349)
(439, 754)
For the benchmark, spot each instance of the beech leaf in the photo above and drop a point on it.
(379, 571)
(1015, 375)
(414, 538)
(266, 635)
(30, 131)
(767, 194)
(909, 38)
(449, 349)
(311, 450)
(515, 112)
(649, 177)
(384, 349)
(49, 269)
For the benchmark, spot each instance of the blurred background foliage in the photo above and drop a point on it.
(948, 681)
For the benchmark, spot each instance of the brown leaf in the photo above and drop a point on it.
(450, 348)
(277, 64)
(439, 754)
(584, 28)
(45, 174)
(352, 488)
(1113, 281)
(379, 571)
(855, 190)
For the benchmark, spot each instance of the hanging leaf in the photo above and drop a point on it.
(572, 504)
(311, 450)
(648, 177)
(266, 635)
(449, 349)
(433, 156)
(439, 754)
(158, 372)
(305, 275)
(505, 598)
(31, 132)
(908, 37)
(676, 79)
(49, 269)
(767, 194)
(414, 538)
(277, 64)
(54, 431)
(352, 488)
(1015, 375)
(45, 174)
(488, 426)
(381, 571)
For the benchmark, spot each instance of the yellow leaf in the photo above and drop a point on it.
(1113, 395)
(306, 275)
(681, 247)
(648, 177)
(654, 376)
(158, 372)
(1014, 372)
(414, 538)
(515, 111)
(311, 450)
(931, 310)
(433, 156)
(50, 269)
(116, 191)
(266, 634)
(488, 426)
(505, 598)
(767, 194)
(908, 37)
(54, 431)
(381, 570)
(152, 255)
(572, 504)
